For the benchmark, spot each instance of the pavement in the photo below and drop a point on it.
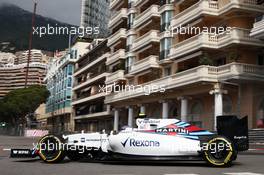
(246, 164)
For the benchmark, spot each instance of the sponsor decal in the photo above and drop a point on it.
(176, 130)
(148, 121)
(82, 139)
(140, 143)
(26, 152)
(240, 137)
(93, 140)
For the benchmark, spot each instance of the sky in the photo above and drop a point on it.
(62, 10)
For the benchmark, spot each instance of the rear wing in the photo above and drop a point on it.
(235, 129)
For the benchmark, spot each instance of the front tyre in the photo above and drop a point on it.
(51, 149)
(219, 152)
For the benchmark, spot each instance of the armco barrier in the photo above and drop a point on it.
(35, 133)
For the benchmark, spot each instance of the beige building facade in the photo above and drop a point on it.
(13, 76)
(193, 76)
(89, 111)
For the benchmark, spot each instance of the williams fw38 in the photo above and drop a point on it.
(153, 139)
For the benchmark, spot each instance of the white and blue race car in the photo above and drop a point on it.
(153, 139)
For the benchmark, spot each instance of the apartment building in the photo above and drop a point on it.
(13, 76)
(59, 82)
(7, 58)
(96, 14)
(35, 56)
(192, 76)
(258, 28)
(89, 111)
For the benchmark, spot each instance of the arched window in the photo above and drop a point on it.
(260, 115)
(227, 105)
(196, 112)
(174, 111)
(156, 111)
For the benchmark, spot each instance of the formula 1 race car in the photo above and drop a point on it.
(154, 139)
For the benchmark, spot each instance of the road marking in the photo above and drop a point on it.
(243, 173)
(180, 174)
(6, 149)
(235, 173)
(257, 149)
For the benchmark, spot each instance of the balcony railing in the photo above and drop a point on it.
(115, 77)
(198, 74)
(90, 63)
(145, 64)
(117, 17)
(258, 29)
(120, 54)
(152, 11)
(91, 80)
(214, 8)
(208, 40)
(113, 3)
(116, 36)
(88, 98)
(93, 115)
(151, 36)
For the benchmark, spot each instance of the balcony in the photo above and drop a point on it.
(143, 18)
(115, 77)
(213, 8)
(117, 18)
(118, 55)
(114, 3)
(144, 64)
(145, 40)
(93, 115)
(211, 41)
(229, 72)
(91, 64)
(258, 29)
(166, 7)
(89, 98)
(90, 81)
(113, 39)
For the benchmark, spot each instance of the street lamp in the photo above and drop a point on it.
(30, 41)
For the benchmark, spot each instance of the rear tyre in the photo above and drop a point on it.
(219, 152)
(51, 149)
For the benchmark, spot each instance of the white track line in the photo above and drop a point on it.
(243, 173)
(6, 149)
(180, 174)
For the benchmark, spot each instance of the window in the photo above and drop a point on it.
(261, 60)
(163, 2)
(130, 40)
(70, 69)
(227, 105)
(129, 63)
(220, 61)
(165, 46)
(196, 112)
(260, 115)
(165, 20)
(130, 20)
(76, 54)
(68, 93)
(69, 82)
(167, 71)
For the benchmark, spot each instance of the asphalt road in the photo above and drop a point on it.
(245, 165)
